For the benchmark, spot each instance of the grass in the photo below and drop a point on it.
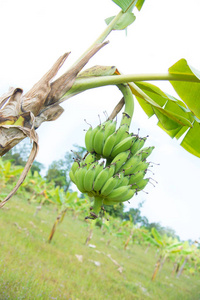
(31, 268)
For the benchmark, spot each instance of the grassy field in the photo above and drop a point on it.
(31, 268)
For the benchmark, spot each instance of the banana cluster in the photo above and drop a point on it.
(116, 182)
(115, 166)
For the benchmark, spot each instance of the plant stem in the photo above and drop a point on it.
(103, 35)
(83, 84)
(98, 201)
(92, 82)
(129, 104)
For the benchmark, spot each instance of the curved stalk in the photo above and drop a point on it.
(86, 83)
(129, 104)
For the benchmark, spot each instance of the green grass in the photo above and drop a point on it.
(31, 268)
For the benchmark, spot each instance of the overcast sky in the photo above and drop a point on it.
(35, 33)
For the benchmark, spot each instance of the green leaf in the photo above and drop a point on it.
(175, 247)
(191, 141)
(140, 4)
(124, 21)
(149, 239)
(157, 236)
(125, 4)
(189, 92)
(169, 118)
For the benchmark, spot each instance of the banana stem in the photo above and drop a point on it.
(129, 104)
(103, 35)
(98, 202)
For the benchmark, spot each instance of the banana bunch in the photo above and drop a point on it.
(116, 164)
(117, 181)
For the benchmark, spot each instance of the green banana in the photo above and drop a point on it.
(118, 193)
(99, 168)
(124, 181)
(131, 164)
(89, 178)
(109, 202)
(110, 128)
(79, 178)
(121, 133)
(145, 152)
(72, 171)
(120, 159)
(129, 195)
(137, 145)
(89, 138)
(136, 177)
(89, 159)
(109, 144)
(111, 168)
(142, 166)
(100, 180)
(74, 166)
(99, 140)
(109, 186)
(123, 146)
(140, 185)
(71, 175)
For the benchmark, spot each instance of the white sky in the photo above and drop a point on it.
(35, 33)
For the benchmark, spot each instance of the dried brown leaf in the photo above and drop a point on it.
(34, 99)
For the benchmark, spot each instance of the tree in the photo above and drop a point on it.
(22, 114)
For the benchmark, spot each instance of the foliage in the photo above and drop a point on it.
(18, 155)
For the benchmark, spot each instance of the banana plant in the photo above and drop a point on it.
(166, 246)
(21, 114)
(64, 202)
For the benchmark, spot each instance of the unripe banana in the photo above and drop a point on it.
(74, 166)
(119, 193)
(79, 178)
(89, 138)
(136, 177)
(142, 166)
(99, 140)
(131, 164)
(109, 186)
(100, 180)
(137, 145)
(89, 178)
(109, 202)
(141, 184)
(129, 194)
(99, 168)
(89, 159)
(120, 159)
(71, 175)
(145, 152)
(109, 144)
(123, 145)
(110, 129)
(121, 133)
(111, 168)
(124, 181)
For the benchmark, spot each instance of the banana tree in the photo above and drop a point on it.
(64, 202)
(165, 245)
(21, 114)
